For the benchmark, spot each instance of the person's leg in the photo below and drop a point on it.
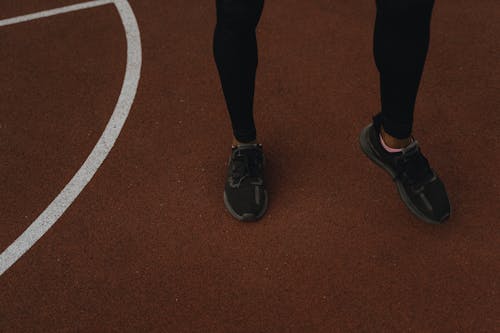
(236, 57)
(235, 52)
(401, 41)
(400, 45)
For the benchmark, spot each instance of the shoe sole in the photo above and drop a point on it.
(247, 217)
(365, 147)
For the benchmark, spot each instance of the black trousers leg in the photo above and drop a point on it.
(400, 45)
(236, 57)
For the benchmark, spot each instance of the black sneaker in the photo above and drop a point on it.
(418, 184)
(245, 196)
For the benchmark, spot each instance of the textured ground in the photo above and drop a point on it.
(148, 244)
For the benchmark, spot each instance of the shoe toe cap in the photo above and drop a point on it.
(243, 206)
(434, 202)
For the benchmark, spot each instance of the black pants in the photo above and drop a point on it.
(400, 45)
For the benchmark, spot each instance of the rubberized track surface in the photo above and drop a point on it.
(148, 245)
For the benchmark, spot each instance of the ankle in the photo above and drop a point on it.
(393, 142)
(236, 142)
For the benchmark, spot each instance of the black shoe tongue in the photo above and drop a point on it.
(418, 168)
(250, 150)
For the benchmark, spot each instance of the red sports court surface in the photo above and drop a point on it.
(147, 244)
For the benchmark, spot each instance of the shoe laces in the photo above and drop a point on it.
(414, 167)
(246, 163)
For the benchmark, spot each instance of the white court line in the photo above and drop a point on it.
(52, 12)
(82, 177)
